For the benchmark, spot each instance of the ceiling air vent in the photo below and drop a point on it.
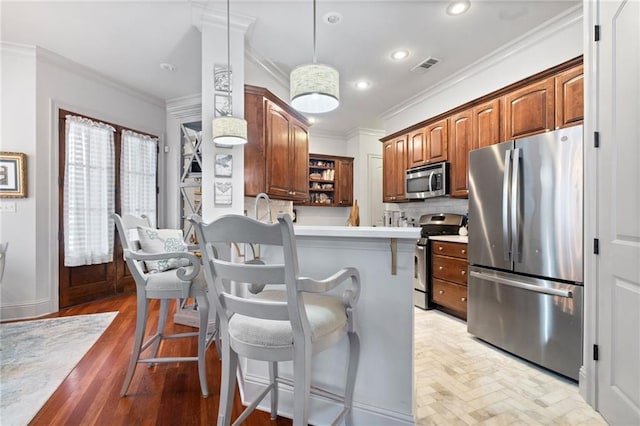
(425, 65)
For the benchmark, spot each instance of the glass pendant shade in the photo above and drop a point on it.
(315, 88)
(229, 130)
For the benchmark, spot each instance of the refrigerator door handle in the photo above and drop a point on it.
(506, 236)
(515, 203)
(524, 286)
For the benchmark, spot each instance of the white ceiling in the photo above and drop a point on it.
(127, 40)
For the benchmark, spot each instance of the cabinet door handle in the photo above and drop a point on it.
(440, 268)
(441, 292)
(464, 251)
(440, 248)
(463, 299)
(463, 272)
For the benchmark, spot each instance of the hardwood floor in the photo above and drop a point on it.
(164, 394)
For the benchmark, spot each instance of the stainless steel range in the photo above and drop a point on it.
(432, 224)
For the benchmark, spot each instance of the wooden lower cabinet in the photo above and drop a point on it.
(449, 277)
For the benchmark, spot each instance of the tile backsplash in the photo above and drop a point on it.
(415, 209)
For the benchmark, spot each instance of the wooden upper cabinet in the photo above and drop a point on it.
(460, 141)
(486, 124)
(437, 140)
(416, 148)
(344, 181)
(530, 110)
(299, 155)
(277, 151)
(570, 97)
(394, 164)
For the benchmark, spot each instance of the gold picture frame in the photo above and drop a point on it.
(13, 175)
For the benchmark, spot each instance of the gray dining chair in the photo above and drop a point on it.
(292, 322)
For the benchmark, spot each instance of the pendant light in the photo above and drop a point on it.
(229, 130)
(314, 87)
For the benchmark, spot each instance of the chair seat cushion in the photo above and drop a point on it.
(169, 282)
(326, 314)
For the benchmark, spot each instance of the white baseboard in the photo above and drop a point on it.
(321, 410)
(28, 310)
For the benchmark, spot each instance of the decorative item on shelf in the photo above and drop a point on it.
(354, 215)
(13, 175)
(315, 87)
(229, 130)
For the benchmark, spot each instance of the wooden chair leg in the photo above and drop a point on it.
(273, 374)
(227, 384)
(141, 321)
(203, 311)
(352, 368)
(301, 384)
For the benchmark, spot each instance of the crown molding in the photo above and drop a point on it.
(202, 15)
(185, 106)
(90, 74)
(266, 65)
(358, 131)
(18, 48)
(542, 32)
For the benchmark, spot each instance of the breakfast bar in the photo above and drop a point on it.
(384, 390)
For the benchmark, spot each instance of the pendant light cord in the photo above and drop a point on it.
(314, 31)
(229, 112)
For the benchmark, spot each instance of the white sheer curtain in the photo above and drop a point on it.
(89, 199)
(138, 175)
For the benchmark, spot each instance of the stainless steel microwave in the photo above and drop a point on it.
(427, 181)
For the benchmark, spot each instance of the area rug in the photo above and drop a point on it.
(36, 356)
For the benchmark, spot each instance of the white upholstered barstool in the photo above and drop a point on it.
(287, 324)
(182, 282)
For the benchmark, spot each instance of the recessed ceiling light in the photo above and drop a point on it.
(362, 84)
(332, 18)
(311, 120)
(399, 55)
(167, 66)
(458, 7)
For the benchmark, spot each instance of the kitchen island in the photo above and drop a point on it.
(384, 390)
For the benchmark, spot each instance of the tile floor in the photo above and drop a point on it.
(463, 381)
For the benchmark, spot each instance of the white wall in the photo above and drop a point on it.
(39, 82)
(18, 134)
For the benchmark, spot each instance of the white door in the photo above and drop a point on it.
(618, 192)
(374, 188)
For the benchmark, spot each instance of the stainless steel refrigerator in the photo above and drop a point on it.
(525, 291)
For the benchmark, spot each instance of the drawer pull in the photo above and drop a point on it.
(463, 272)
(440, 268)
(464, 251)
(440, 248)
(463, 299)
(441, 292)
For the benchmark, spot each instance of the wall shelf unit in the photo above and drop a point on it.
(330, 181)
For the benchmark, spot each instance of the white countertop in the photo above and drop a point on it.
(356, 232)
(451, 238)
